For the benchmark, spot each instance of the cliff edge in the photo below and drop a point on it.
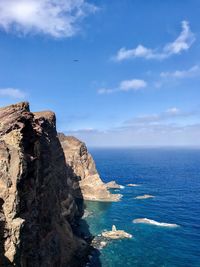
(83, 165)
(38, 213)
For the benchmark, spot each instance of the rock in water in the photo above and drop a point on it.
(116, 234)
(146, 196)
(114, 185)
(37, 210)
(133, 185)
(83, 165)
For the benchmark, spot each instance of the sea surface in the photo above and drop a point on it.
(173, 177)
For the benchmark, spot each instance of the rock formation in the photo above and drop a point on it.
(38, 213)
(83, 165)
(116, 234)
(114, 185)
(103, 239)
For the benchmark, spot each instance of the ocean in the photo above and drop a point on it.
(172, 176)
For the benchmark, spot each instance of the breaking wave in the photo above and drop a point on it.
(152, 222)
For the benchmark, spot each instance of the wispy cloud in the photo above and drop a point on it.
(125, 86)
(168, 128)
(182, 43)
(168, 115)
(12, 93)
(57, 18)
(189, 73)
(143, 135)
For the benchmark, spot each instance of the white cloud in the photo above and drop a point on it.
(139, 51)
(169, 134)
(182, 43)
(134, 84)
(173, 111)
(192, 72)
(125, 86)
(170, 127)
(57, 18)
(12, 92)
(167, 115)
(102, 91)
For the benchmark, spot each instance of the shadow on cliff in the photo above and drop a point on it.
(44, 189)
(82, 228)
(4, 262)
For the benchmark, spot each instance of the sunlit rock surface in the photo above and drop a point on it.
(83, 165)
(114, 185)
(116, 234)
(38, 213)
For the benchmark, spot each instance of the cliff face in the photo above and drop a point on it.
(83, 165)
(37, 210)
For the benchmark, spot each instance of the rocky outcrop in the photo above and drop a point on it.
(102, 240)
(114, 185)
(116, 234)
(83, 165)
(38, 213)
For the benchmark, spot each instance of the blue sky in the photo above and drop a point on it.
(136, 81)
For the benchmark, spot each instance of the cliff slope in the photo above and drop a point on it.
(38, 213)
(83, 165)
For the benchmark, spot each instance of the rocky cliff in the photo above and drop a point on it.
(83, 165)
(38, 213)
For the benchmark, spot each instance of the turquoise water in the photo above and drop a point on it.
(173, 177)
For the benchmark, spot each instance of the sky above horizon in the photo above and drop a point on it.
(116, 73)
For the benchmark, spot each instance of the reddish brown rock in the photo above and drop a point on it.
(83, 165)
(38, 214)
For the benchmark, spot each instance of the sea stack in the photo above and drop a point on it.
(38, 212)
(83, 165)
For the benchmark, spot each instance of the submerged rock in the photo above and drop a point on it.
(87, 213)
(99, 242)
(83, 165)
(144, 197)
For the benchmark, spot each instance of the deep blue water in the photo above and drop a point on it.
(173, 177)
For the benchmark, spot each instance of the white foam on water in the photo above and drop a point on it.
(133, 185)
(152, 222)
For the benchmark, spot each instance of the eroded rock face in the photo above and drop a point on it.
(83, 165)
(38, 213)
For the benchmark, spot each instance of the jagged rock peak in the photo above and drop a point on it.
(11, 117)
